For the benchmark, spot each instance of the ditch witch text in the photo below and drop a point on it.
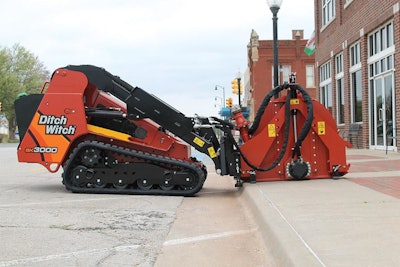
(56, 125)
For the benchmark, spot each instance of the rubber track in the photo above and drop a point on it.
(155, 159)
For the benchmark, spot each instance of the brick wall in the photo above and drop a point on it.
(353, 23)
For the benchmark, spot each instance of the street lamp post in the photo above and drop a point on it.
(223, 93)
(239, 77)
(275, 5)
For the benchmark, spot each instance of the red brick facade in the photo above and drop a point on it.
(259, 75)
(361, 22)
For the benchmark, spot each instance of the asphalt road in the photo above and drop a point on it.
(42, 224)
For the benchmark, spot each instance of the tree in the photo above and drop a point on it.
(20, 72)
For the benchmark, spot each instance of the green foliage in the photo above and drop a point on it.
(20, 72)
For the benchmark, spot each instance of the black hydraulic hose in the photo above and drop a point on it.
(284, 145)
(303, 133)
(263, 106)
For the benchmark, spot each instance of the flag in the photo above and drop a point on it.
(310, 46)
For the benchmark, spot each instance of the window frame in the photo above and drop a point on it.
(310, 76)
(339, 82)
(325, 85)
(381, 39)
(328, 12)
(355, 88)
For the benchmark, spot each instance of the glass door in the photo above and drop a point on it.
(383, 112)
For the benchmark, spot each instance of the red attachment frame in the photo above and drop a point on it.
(323, 148)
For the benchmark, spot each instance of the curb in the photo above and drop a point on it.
(286, 245)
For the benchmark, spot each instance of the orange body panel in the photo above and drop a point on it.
(57, 122)
(60, 123)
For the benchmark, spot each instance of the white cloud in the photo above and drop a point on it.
(177, 49)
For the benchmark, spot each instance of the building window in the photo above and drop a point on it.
(328, 11)
(380, 66)
(356, 93)
(326, 86)
(326, 96)
(340, 100)
(310, 79)
(356, 86)
(355, 54)
(339, 89)
(381, 85)
(286, 70)
(339, 63)
(325, 72)
(381, 39)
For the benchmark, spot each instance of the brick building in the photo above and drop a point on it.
(357, 42)
(258, 79)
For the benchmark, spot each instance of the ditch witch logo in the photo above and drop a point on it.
(56, 125)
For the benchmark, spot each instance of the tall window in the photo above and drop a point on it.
(355, 54)
(356, 96)
(381, 50)
(381, 39)
(325, 72)
(339, 88)
(356, 86)
(340, 100)
(328, 11)
(381, 73)
(339, 63)
(326, 86)
(310, 79)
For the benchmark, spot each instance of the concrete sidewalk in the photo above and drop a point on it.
(352, 221)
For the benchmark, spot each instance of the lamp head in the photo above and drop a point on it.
(274, 3)
(238, 75)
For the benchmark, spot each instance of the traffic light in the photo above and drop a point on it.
(229, 102)
(1, 107)
(236, 84)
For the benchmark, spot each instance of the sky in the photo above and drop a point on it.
(178, 50)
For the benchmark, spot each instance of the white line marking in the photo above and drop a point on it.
(56, 202)
(199, 238)
(292, 227)
(65, 255)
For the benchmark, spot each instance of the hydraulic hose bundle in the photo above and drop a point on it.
(297, 169)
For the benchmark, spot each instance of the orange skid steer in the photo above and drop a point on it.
(111, 137)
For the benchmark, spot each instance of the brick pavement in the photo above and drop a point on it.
(375, 170)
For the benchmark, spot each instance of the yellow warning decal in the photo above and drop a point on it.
(211, 152)
(321, 128)
(271, 130)
(198, 142)
(294, 101)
